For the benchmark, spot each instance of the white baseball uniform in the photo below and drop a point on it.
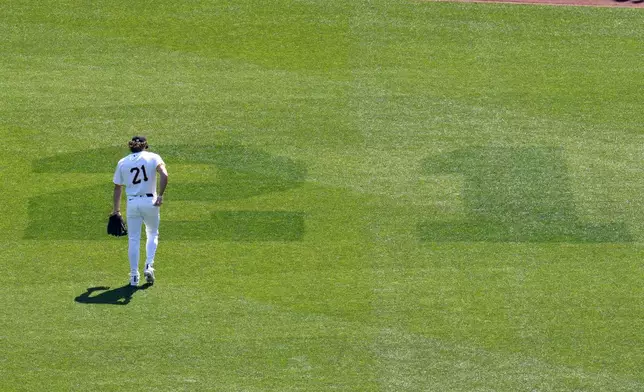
(138, 172)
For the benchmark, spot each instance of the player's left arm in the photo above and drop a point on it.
(118, 190)
(163, 183)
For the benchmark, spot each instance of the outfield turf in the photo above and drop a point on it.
(364, 196)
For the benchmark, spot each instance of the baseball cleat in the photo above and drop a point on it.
(149, 275)
(134, 280)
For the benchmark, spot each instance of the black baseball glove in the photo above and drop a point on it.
(116, 226)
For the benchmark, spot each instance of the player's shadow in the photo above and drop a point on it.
(118, 296)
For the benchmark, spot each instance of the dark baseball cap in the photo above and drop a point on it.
(141, 139)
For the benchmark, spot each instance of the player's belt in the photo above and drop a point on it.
(146, 195)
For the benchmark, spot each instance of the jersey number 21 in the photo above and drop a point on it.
(137, 172)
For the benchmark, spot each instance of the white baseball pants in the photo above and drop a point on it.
(141, 210)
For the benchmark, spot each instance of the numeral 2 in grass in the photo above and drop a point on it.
(137, 171)
(241, 173)
(514, 195)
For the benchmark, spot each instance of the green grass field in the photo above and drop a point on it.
(378, 195)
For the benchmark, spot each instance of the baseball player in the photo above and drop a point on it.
(138, 173)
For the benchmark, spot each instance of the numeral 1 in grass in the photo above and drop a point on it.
(514, 195)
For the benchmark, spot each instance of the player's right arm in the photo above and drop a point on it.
(118, 190)
(163, 183)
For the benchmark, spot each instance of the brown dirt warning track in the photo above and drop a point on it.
(590, 3)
